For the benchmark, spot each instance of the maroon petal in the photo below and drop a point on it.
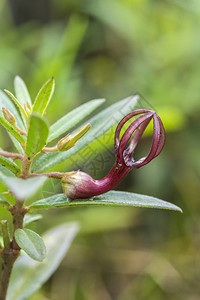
(123, 153)
(128, 133)
(157, 143)
(123, 121)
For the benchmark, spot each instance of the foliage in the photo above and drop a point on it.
(113, 49)
(24, 183)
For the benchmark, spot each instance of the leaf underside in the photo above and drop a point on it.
(28, 275)
(31, 243)
(29, 218)
(23, 188)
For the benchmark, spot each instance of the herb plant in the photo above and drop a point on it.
(24, 172)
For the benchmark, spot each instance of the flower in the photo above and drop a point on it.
(80, 185)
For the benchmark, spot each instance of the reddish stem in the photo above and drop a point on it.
(11, 155)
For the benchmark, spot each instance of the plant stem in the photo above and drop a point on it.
(21, 131)
(50, 149)
(11, 155)
(11, 250)
(26, 165)
(18, 211)
(58, 175)
(8, 259)
(5, 234)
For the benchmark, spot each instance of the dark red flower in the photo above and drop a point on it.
(80, 185)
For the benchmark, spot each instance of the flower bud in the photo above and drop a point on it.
(77, 184)
(70, 139)
(27, 108)
(8, 116)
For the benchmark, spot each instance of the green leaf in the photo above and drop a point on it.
(21, 109)
(6, 172)
(31, 243)
(101, 123)
(6, 102)
(4, 202)
(72, 118)
(23, 188)
(11, 129)
(9, 164)
(33, 274)
(37, 135)
(16, 144)
(21, 91)
(55, 201)
(44, 96)
(28, 218)
(116, 198)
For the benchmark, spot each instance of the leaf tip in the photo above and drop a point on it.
(17, 77)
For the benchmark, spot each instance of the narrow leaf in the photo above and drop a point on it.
(16, 144)
(44, 96)
(7, 163)
(31, 243)
(101, 123)
(116, 198)
(37, 135)
(21, 91)
(28, 218)
(55, 201)
(72, 118)
(23, 188)
(5, 172)
(6, 102)
(21, 109)
(11, 129)
(4, 202)
(33, 274)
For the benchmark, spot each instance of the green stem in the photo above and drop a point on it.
(26, 165)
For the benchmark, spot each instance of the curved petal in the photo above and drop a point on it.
(123, 121)
(123, 153)
(157, 143)
(128, 133)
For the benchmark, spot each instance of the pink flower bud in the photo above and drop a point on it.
(77, 184)
(80, 185)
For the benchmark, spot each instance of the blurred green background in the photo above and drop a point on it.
(112, 49)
